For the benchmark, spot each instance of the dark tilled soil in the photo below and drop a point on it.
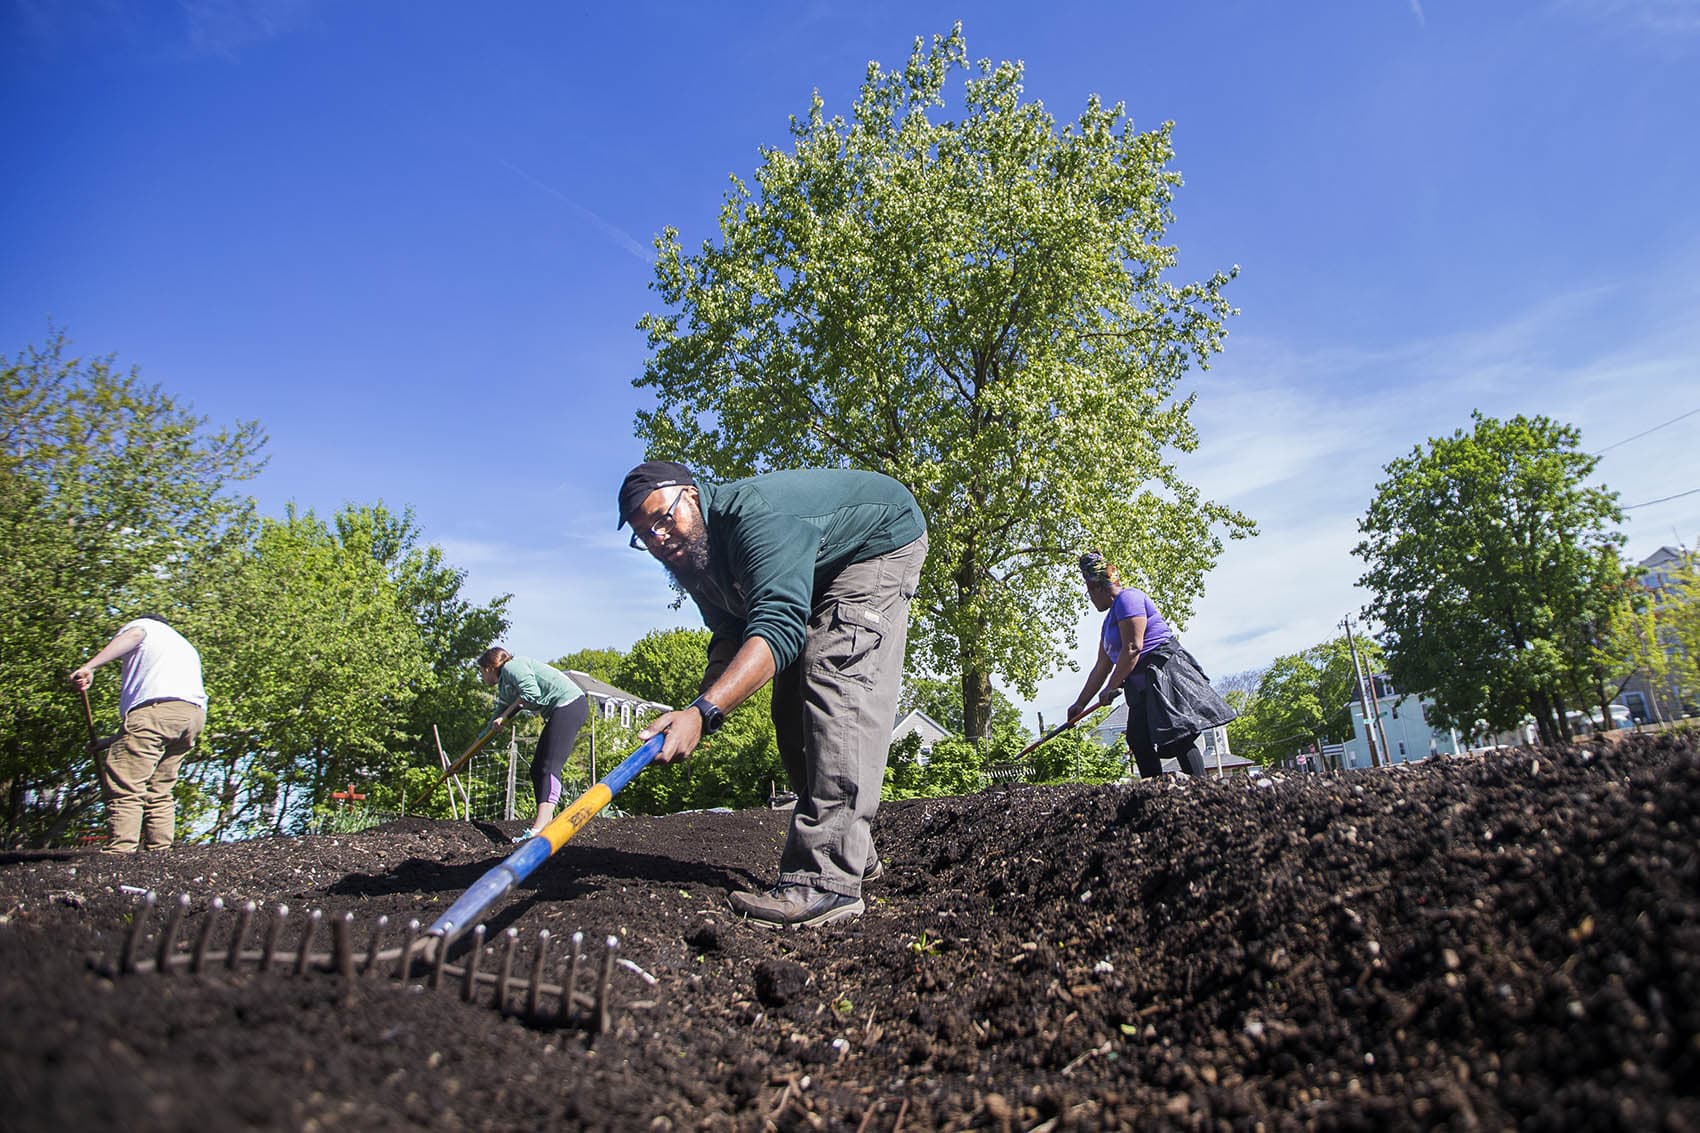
(1481, 943)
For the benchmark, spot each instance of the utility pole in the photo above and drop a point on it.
(1370, 722)
(1375, 703)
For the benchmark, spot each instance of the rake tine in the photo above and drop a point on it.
(168, 938)
(510, 938)
(199, 960)
(439, 961)
(404, 965)
(469, 986)
(242, 921)
(127, 958)
(372, 947)
(537, 973)
(568, 1007)
(343, 932)
(313, 920)
(602, 1012)
(273, 927)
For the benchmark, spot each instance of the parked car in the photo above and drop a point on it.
(1581, 722)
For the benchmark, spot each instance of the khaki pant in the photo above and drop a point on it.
(140, 770)
(833, 711)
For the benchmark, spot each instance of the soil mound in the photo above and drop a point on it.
(1469, 943)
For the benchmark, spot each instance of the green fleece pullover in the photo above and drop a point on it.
(542, 688)
(775, 540)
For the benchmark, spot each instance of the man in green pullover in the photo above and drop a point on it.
(804, 578)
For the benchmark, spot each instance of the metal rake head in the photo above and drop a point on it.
(419, 959)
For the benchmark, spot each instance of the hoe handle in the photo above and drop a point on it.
(476, 746)
(1060, 729)
(88, 714)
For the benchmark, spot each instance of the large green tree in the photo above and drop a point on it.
(1301, 699)
(603, 664)
(980, 306)
(112, 492)
(1485, 566)
(313, 661)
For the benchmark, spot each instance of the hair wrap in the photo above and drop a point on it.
(1095, 568)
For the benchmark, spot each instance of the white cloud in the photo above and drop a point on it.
(569, 593)
(1657, 20)
(224, 27)
(576, 582)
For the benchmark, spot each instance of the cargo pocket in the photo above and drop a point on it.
(852, 646)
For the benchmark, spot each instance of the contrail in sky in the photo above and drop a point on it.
(613, 232)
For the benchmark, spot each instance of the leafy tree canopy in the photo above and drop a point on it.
(1301, 699)
(111, 492)
(329, 648)
(978, 306)
(312, 661)
(1485, 559)
(603, 664)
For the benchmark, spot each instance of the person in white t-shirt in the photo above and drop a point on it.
(164, 708)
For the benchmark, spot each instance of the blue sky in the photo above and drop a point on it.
(412, 239)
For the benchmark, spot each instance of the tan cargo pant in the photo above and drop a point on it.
(140, 770)
(833, 710)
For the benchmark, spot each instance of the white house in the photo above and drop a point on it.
(613, 702)
(1405, 721)
(1647, 704)
(931, 731)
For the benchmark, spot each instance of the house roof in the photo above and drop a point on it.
(917, 721)
(602, 690)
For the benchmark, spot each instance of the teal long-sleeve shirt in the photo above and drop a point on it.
(540, 687)
(775, 539)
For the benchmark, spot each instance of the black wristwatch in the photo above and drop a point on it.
(712, 717)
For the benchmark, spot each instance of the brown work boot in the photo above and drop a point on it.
(794, 906)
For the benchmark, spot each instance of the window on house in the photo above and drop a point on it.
(625, 715)
(1401, 747)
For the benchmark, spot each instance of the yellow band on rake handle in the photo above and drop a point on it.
(536, 850)
(576, 817)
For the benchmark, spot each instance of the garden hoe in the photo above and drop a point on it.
(88, 714)
(1059, 730)
(475, 747)
(543, 1002)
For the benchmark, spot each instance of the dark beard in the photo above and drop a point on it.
(693, 571)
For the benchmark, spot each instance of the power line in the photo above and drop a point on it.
(1644, 432)
(1662, 499)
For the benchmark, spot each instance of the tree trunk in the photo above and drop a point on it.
(1606, 723)
(976, 703)
(1541, 709)
(976, 681)
(1561, 712)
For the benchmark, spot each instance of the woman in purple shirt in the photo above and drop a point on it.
(1170, 703)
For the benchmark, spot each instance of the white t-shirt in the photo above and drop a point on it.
(163, 665)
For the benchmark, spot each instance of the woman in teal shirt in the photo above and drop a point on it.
(552, 695)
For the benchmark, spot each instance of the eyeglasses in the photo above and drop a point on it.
(642, 539)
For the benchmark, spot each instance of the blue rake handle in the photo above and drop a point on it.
(536, 850)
